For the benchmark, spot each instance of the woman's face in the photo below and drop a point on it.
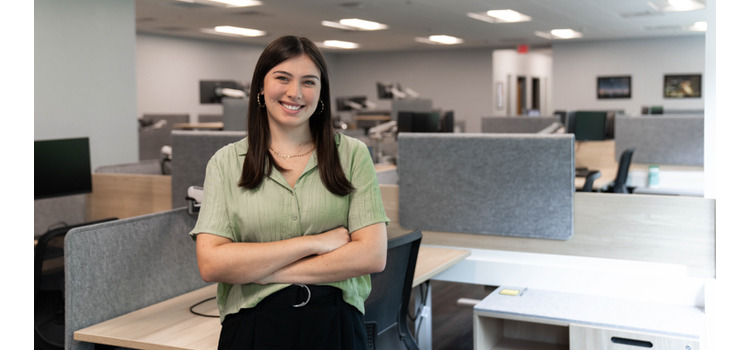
(291, 91)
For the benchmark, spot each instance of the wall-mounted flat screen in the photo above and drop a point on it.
(613, 87)
(61, 167)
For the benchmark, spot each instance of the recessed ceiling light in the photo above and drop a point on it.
(565, 33)
(338, 44)
(226, 3)
(500, 16)
(440, 39)
(700, 26)
(508, 16)
(235, 31)
(559, 34)
(355, 24)
(239, 3)
(683, 5)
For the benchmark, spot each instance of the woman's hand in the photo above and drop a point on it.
(364, 254)
(331, 240)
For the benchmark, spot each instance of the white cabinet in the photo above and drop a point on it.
(540, 319)
(602, 338)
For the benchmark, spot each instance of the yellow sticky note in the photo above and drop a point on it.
(512, 292)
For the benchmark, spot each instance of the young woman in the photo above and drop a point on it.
(292, 222)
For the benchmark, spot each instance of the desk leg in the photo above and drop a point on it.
(423, 322)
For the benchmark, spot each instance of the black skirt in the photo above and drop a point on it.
(294, 318)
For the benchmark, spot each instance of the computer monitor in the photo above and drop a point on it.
(351, 103)
(418, 121)
(590, 126)
(61, 167)
(384, 91)
(207, 90)
(447, 121)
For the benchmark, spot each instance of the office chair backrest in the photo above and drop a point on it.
(387, 306)
(591, 176)
(49, 286)
(622, 171)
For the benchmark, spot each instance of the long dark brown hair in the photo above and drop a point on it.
(258, 161)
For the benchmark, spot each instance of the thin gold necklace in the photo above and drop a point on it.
(287, 156)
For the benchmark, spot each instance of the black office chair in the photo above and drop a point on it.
(623, 168)
(387, 308)
(591, 176)
(49, 288)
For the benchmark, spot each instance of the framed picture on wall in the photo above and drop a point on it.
(613, 87)
(682, 86)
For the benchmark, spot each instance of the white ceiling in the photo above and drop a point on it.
(408, 19)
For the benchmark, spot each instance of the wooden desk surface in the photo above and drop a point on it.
(650, 228)
(170, 325)
(203, 126)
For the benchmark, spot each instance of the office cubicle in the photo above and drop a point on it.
(191, 151)
(235, 114)
(493, 184)
(518, 124)
(662, 140)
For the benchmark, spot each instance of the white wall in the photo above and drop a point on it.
(169, 71)
(455, 80)
(84, 75)
(577, 64)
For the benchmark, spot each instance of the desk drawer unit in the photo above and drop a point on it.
(550, 320)
(584, 337)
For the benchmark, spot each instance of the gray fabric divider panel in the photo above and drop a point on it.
(149, 166)
(210, 118)
(387, 177)
(151, 140)
(191, 151)
(410, 105)
(56, 211)
(235, 113)
(121, 266)
(493, 184)
(528, 125)
(664, 139)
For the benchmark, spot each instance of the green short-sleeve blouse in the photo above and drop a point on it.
(275, 211)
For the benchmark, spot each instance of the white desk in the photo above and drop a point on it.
(540, 319)
(673, 180)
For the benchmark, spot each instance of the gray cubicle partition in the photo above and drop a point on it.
(235, 114)
(191, 151)
(410, 105)
(520, 124)
(153, 137)
(121, 266)
(494, 184)
(663, 139)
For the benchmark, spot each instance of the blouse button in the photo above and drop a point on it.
(294, 217)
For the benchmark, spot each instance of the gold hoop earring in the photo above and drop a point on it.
(322, 107)
(257, 97)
